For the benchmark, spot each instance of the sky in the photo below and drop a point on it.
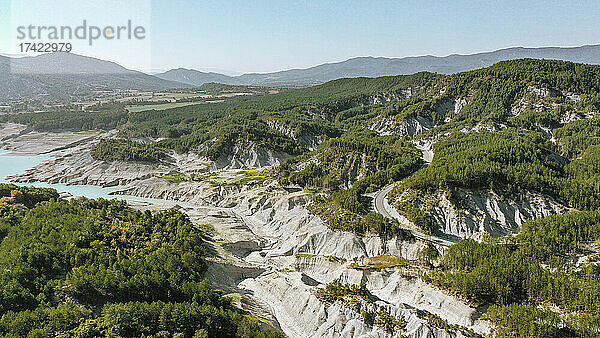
(265, 36)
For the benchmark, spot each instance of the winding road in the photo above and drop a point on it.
(381, 206)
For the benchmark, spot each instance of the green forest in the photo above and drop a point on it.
(90, 268)
(512, 275)
(346, 105)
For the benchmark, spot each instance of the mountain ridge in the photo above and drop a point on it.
(59, 74)
(370, 66)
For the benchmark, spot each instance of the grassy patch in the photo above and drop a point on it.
(252, 176)
(380, 262)
(177, 178)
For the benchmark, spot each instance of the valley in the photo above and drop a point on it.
(424, 205)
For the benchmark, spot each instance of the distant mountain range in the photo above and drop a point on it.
(65, 75)
(380, 66)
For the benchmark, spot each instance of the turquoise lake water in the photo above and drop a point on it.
(18, 164)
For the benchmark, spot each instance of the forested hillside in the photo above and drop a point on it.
(90, 268)
(326, 110)
(514, 277)
(525, 94)
(518, 125)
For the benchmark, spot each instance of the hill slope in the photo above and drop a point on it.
(64, 75)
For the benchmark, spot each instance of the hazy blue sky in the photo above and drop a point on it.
(265, 36)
